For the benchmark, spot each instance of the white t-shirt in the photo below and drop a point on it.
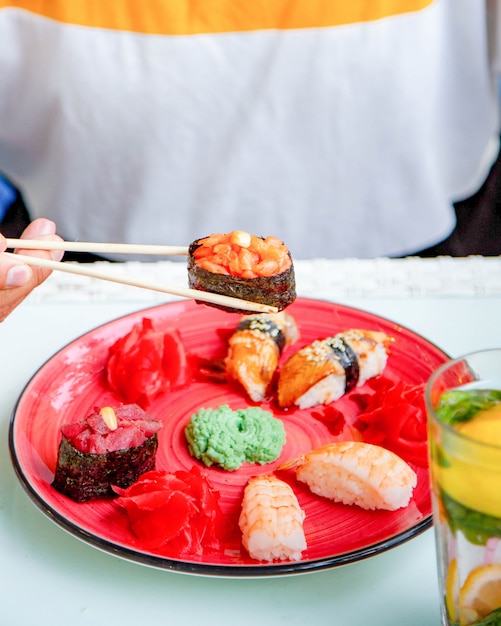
(344, 128)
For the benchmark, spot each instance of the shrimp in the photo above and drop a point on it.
(271, 520)
(354, 472)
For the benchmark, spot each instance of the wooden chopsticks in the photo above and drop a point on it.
(96, 248)
(183, 292)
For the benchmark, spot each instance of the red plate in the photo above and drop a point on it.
(71, 383)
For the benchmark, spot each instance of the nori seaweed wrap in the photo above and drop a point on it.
(91, 460)
(260, 271)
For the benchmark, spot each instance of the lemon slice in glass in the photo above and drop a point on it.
(451, 590)
(485, 426)
(480, 593)
(474, 478)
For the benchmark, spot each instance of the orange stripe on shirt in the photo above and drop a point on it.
(190, 17)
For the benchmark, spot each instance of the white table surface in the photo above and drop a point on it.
(49, 577)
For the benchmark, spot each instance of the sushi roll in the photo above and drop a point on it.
(244, 266)
(271, 520)
(356, 473)
(254, 350)
(324, 370)
(111, 446)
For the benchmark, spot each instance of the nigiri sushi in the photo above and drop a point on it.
(243, 266)
(254, 350)
(271, 520)
(324, 370)
(358, 473)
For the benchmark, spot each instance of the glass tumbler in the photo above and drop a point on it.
(463, 402)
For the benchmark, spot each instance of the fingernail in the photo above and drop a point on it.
(18, 276)
(44, 226)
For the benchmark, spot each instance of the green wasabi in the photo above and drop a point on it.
(230, 438)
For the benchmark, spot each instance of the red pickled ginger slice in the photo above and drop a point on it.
(394, 416)
(177, 511)
(146, 362)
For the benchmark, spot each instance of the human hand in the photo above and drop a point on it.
(17, 279)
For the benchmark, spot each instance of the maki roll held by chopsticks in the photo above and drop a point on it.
(243, 266)
(254, 350)
(110, 447)
(324, 370)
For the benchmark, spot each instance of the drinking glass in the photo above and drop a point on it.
(464, 434)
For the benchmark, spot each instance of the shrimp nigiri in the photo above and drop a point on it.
(324, 370)
(354, 472)
(271, 520)
(254, 350)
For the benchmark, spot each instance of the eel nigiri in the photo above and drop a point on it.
(354, 472)
(271, 520)
(324, 370)
(254, 350)
(243, 266)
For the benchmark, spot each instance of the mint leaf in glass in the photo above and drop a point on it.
(461, 405)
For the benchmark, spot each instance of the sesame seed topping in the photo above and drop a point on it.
(317, 352)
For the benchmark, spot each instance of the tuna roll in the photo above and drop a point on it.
(111, 446)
